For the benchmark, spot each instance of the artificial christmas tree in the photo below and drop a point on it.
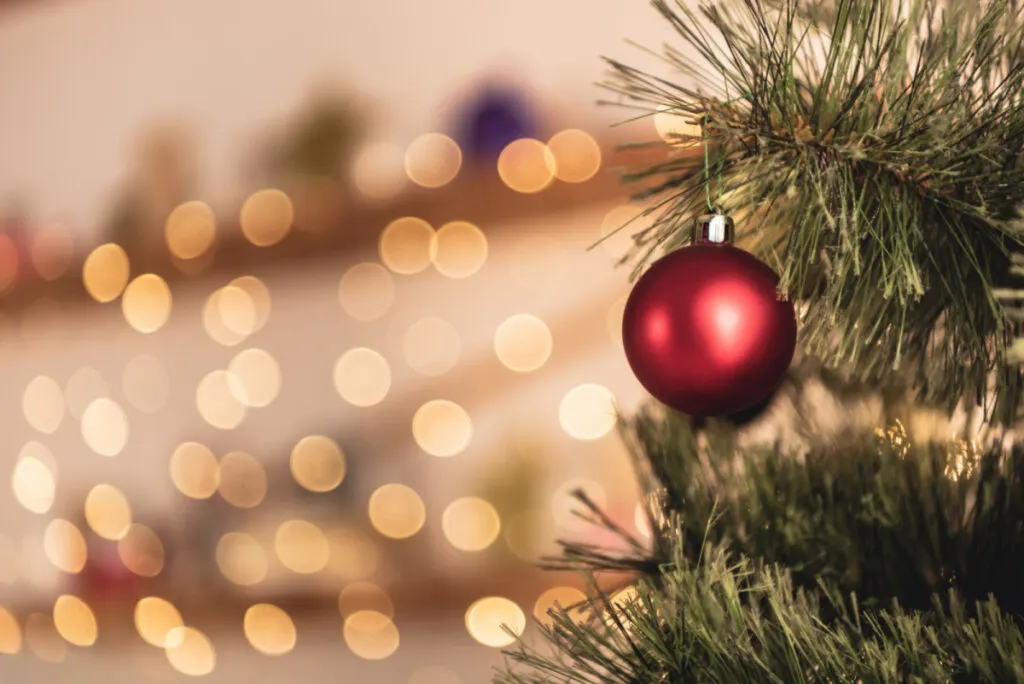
(873, 153)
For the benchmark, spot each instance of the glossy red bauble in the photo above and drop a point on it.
(705, 332)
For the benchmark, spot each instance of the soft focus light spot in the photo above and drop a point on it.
(408, 245)
(526, 165)
(461, 249)
(565, 505)
(141, 551)
(354, 554)
(362, 377)
(266, 217)
(243, 481)
(195, 471)
(442, 428)
(105, 427)
(254, 377)
(259, 295)
(431, 346)
(53, 247)
(371, 635)
(587, 411)
(379, 171)
(366, 291)
(671, 125)
(240, 308)
(365, 596)
(65, 546)
(302, 547)
(269, 629)
(146, 383)
(44, 640)
(75, 621)
(83, 387)
(191, 653)
(36, 568)
(431, 674)
(190, 229)
(619, 226)
(237, 310)
(43, 404)
(614, 321)
(33, 481)
(523, 343)
(471, 524)
(564, 597)
(217, 404)
(318, 464)
(155, 620)
(241, 559)
(576, 154)
(105, 272)
(107, 512)
(485, 618)
(397, 511)
(433, 160)
(10, 633)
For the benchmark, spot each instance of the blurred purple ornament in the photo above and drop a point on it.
(492, 119)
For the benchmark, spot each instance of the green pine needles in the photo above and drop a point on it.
(873, 152)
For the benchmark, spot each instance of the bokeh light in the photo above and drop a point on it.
(83, 387)
(259, 295)
(355, 556)
(371, 635)
(65, 546)
(254, 377)
(195, 471)
(44, 640)
(302, 547)
(471, 524)
(105, 272)
(146, 303)
(36, 568)
(397, 511)
(407, 245)
(240, 310)
(269, 629)
(241, 559)
(433, 160)
(10, 633)
(431, 346)
(461, 249)
(190, 652)
(620, 225)
(378, 171)
(75, 621)
(362, 377)
(190, 229)
(317, 463)
(526, 165)
(156, 619)
(523, 343)
(266, 217)
(576, 154)
(485, 618)
(366, 291)
(365, 596)
(107, 512)
(53, 247)
(141, 551)
(34, 478)
(146, 383)
(556, 597)
(105, 427)
(587, 411)
(243, 481)
(217, 404)
(442, 428)
(43, 404)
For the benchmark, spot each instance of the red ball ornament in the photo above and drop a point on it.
(704, 330)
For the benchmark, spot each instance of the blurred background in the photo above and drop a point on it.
(303, 347)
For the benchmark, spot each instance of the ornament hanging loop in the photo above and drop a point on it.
(713, 229)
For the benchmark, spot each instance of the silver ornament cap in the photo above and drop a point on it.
(713, 229)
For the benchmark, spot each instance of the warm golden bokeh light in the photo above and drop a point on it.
(190, 229)
(523, 343)
(254, 377)
(259, 295)
(355, 555)
(565, 506)
(190, 652)
(83, 387)
(371, 635)
(365, 596)
(461, 250)
(407, 245)
(105, 272)
(672, 125)
(75, 621)
(266, 217)
(146, 303)
(141, 551)
(576, 154)
(269, 629)
(587, 411)
(217, 404)
(362, 377)
(34, 480)
(302, 547)
(431, 346)
(471, 524)
(107, 512)
(433, 160)
(397, 511)
(146, 383)
(434, 674)
(44, 640)
(554, 598)
(240, 309)
(195, 471)
(43, 404)
(442, 428)
(155, 620)
(53, 247)
(105, 427)
(317, 463)
(485, 618)
(619, 226)
(379, 171)
(241, 559)
(366, 291)
(65, 546)
(243, 481)
(10, 633)
(526, 165)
